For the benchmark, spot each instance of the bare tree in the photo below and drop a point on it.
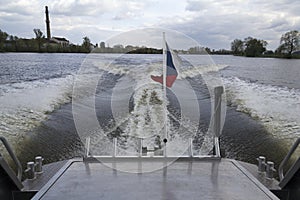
(39, 36)
(237, 47)
(289, 42)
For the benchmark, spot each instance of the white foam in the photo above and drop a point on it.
(200, 69)
(146, 121)
(188, 69)
(277, 108)
(25, 105)
(137, 81)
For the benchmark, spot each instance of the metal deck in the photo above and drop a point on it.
(49, 171)
(186, 178)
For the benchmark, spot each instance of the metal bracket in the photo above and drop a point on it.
(13, 156)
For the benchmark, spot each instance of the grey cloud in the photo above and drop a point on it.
(224, 21)
(211, 30)
(76, 34)
(280, 25)
(152, 37)
(212, 23)
(97, 8)
(76, 8)
(16, 18)
(126, 15)
(193, 5)
(15, 7)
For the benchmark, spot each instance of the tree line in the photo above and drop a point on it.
(253, 47)
(129, 49)
(11, 43)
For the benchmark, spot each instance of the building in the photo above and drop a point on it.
(60, 40)
(296, 53)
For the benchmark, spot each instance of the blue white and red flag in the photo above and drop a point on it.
(171, 71)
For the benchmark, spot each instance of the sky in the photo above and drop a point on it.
(212, 23)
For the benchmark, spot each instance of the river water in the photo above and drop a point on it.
(36, 116)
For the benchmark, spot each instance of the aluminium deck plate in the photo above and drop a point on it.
(182, 179)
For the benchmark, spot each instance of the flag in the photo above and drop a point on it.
(171, 73)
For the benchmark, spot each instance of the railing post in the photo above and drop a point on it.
(217, 147)
(87, 147)
(144, 151)
(287, 157)
(217, 118)
(191, 147)
(165, 147)
(12, 155)
(140, 151)
(114, 147)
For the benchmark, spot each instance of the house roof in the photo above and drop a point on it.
(61, 39)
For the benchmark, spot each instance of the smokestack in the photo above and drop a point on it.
(47, 23)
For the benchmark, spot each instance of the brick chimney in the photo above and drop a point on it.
(47, 23)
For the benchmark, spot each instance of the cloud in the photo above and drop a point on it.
(193, 5)
(80, 8)
(217, 23)
(212, 23)
(152, 37)
(21, 7)
(96, 8)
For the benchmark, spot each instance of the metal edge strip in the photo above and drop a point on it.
(254, 180)
(52, 181)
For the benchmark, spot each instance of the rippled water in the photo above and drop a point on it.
(36, 115)
(268, 90)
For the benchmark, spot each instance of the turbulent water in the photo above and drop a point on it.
(263, 97)
(268, 90)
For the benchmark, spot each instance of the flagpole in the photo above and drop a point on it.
(165, 95)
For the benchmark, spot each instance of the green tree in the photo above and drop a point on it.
(237, 47)
(3, 37)
(39, 37)
(86, 44)
(207, 50)
(254, 47)
(289, 42)
(20, 44)
(11, 43)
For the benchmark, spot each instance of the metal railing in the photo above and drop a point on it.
(13, 156)
(143, 151)
(217, 118)
(287, 157)
(216, 129)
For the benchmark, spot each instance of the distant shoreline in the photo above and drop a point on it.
(272, 56)
(159, 52)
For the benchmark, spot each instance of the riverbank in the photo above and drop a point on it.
(280, 56)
